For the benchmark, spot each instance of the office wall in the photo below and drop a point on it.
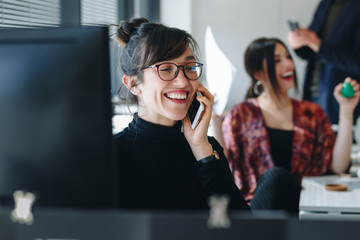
(235, 23)
(177, 13)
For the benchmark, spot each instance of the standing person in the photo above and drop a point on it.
(331, 46)
(270, 134)
(162, 167)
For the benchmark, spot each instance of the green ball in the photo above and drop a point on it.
(347, 90)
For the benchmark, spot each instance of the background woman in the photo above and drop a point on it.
(270, 134)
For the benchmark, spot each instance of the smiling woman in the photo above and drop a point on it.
(273, 141)
(161, 166)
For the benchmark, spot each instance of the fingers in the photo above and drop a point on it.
(337, 90)
(356, 87)
(343, 99)
(206, 94)
(353, 83)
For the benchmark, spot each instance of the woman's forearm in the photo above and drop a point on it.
(216, 124)
(343, 143)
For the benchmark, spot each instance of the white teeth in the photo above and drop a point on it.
(288, 74)
(176, 95)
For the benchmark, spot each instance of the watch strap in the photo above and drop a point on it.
(214, 156)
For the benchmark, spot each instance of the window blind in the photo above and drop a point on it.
(99, 12)
(29, 13)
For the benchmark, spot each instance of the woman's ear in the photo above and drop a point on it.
(130, 83)
(258, 75)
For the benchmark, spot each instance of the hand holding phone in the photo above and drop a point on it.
(293, 25)
(195, 111)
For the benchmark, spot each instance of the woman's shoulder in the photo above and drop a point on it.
(249, 104)
(247, 112)
(121, 136)
(310, 109)
(308, 106)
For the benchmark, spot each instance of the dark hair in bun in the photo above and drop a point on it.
(145, 43)
(127, 28)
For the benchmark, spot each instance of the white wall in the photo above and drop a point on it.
(177, 13)
(235, 23)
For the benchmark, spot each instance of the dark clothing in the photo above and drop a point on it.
(281, 142)
(326, 29)
(339, 55)
(158, 171)
(277, 189)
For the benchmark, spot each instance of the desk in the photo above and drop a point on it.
(72, 224)
(318, 203)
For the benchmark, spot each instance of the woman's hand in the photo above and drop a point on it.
(302, 37)
(197, 138)
(347, 105)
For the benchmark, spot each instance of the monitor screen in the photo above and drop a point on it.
(55, 117)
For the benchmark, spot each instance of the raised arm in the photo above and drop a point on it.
(343, 143)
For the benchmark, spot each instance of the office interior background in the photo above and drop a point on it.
(234, 25)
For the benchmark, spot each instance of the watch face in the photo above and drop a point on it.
(215, 154)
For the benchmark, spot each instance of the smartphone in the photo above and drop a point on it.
(195, 111)
(293, 25)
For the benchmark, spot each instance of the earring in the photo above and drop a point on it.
(256, 87)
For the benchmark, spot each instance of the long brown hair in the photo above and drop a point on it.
(256, 52)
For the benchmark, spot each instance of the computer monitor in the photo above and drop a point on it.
(55, 117)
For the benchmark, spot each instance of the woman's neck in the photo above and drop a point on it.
(156, 119)
(272, 100)
(277, 112)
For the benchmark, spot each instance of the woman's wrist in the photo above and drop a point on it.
(213, 157)
(346, 114)
(202, 151)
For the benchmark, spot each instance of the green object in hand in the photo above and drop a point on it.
(347, 90)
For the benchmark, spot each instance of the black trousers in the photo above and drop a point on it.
(277, 189)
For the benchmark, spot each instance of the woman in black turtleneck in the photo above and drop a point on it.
(165, 164)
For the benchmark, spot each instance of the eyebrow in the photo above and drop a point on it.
(279, 55)
(190, 58)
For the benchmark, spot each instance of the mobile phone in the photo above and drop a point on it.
(293, 25)
(195, 111)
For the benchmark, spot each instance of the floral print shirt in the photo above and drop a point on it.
(247, 142)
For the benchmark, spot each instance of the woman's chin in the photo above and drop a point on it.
(178, 117)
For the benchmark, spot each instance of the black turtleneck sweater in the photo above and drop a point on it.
(158, 171)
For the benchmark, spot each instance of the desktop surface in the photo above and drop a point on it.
(66, 224)
(317, 202)
(75, 224)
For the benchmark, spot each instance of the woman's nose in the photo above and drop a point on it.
(181, 79)
(289, 62)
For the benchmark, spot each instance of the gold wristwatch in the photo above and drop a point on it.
(214, 156)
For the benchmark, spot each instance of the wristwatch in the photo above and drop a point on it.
(214, 156)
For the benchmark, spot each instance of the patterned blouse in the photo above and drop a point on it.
(247, 141)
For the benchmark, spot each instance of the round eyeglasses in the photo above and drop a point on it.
(169, 71)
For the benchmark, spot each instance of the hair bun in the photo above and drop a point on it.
(126, 29)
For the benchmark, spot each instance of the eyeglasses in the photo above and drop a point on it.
(169, 71)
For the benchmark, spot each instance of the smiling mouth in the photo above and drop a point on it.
(176, 96)
(287, 75)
